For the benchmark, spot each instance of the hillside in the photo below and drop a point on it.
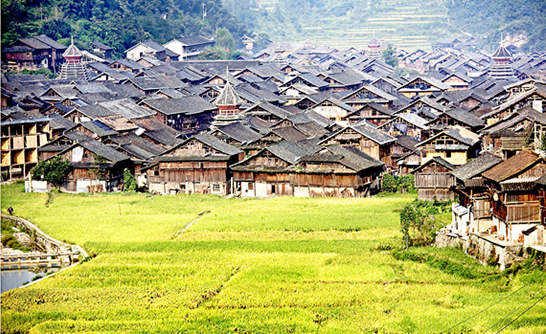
(116, 23)
(410, 24)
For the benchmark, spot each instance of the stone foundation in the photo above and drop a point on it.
(485, 248)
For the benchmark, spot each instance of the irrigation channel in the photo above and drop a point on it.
(20, 268)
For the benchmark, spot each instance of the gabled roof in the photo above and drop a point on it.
(240, 132)
(289, 133)
(210, 141)
(99, 128)
(127, 108)
(50, 42)
(476, 166)
(269, 108)
(431, 81)
(465, 117)
(464, 136)
(410, 118)
(437, 160)
(290, 151)
(191, 104)
(194, 40)
(512, 166)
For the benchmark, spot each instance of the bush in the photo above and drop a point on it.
(398, 184)
(417, 222)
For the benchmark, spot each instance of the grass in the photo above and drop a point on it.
(295, 265)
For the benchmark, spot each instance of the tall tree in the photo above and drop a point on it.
(390, 56)
(224, 40)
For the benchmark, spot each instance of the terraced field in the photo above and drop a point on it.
(283, 265)
(409, 24)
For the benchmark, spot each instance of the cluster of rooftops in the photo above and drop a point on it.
(307, 106)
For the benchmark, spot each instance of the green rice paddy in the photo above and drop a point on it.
(281, 265)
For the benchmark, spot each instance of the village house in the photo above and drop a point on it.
(367, 139)
(199, 164)
(21, 139)
(189, 47)
(83, 160)
(515, 203)
(455, 145)
(34, 53)
(433, 179)
(472, 213)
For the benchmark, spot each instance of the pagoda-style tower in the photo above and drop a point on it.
(374, 45)
(279, 58)
(73, 68)
(501, 68)
(228, 103)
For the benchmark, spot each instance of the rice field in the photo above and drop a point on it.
(281, 265)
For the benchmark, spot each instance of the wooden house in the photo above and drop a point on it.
(34, 53)
(238, 135)
(267, 172)
(521, 130)
(368, 94)
(60, 143)
(433, 179)
(459, 117)
(336, 171)
(515, 202)
(408, 163)
(199, 164)
(423, 85)
(455, 145)
(472, 213)
(189, 115)
(406, 124)
(535, 98)
(21, 139)
(367, 139)
(334, 110)
(82, 155)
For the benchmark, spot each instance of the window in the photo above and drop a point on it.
(215, 187)
(448, 154)
(251, 186)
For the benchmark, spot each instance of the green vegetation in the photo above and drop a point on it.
(45, 71)
(8, 240)
(280, 265)
(54, 170)
(390, 56)
(419, 221)
(402, 184)
(117, 23)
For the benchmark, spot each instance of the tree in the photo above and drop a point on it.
(129, 181)
(389, 183)
(261, 42)
(212, 54)
(54, 170)
(389, 56)
(224, 40)
(101, 169)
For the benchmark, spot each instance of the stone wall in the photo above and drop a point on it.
(485, 249)
(45, 242)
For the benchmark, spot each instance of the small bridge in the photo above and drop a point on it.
(27, 261)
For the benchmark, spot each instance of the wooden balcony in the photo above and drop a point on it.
(528, 212)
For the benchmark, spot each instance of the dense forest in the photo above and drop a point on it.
(339, 23)
(116, 23)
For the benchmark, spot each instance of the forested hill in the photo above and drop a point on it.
(408, 23)
(116, 23)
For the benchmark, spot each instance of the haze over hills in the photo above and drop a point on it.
(410, 24)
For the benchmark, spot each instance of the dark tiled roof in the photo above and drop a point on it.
(133, 139)
(289, 133)
(476, 166)
(465, 117)
(99, 128)
(374, 134)
(501, 53)
(291, 152)
(240, 132)
(106, 151)
(437, 160)
(187, 105)
(193, 40)
(50, 42)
